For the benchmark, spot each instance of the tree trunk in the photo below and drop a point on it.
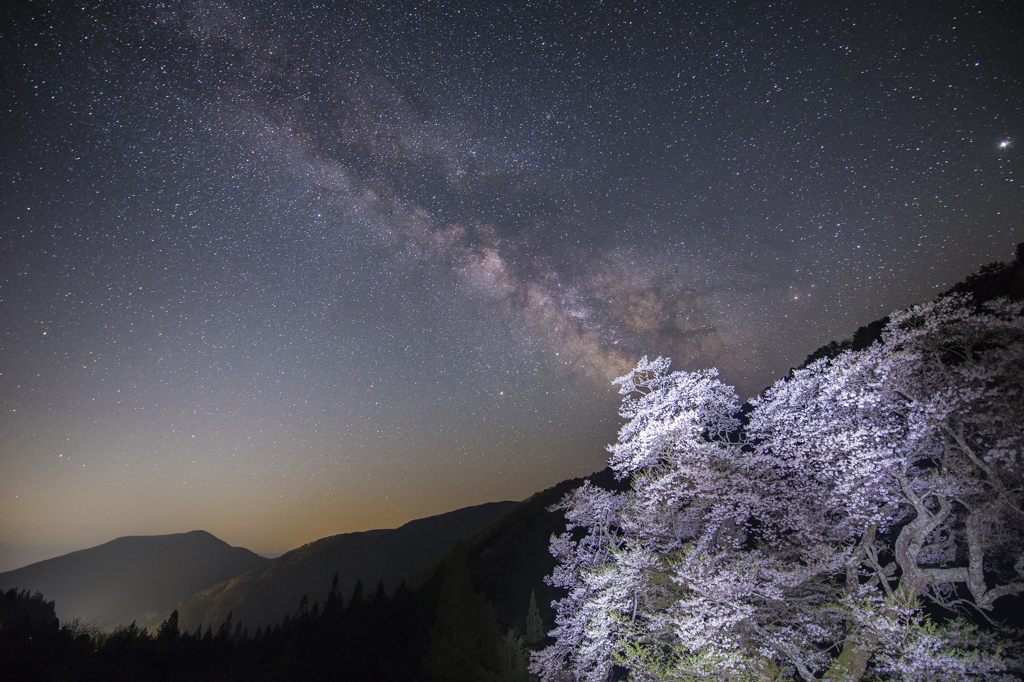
(851, 663)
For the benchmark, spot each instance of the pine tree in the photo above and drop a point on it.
(513, 658)
(167, 636)
(534, 625)
(464, 632)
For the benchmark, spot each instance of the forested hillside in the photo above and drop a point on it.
(842, 526)
(452, 623)
(264, 595)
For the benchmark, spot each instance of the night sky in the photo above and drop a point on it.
(285, 270)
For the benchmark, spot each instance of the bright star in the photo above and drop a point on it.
(1004, 144)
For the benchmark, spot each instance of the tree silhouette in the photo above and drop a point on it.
(534, 625)
(464, 633)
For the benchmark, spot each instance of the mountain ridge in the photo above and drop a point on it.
(132, 576)
(264, 595)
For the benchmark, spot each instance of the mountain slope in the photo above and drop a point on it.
(511, 557)
(263, 596)
(132, 578)
(994, 280)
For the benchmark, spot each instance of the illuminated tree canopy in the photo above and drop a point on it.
(859, 520)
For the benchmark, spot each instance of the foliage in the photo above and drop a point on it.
(809, 540)
(465, 631)
(31, 638)
(534, 624)
(513, 658)
(367, 637)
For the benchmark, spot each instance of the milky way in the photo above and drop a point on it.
(282, 271)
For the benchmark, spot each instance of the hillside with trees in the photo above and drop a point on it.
(263, 596)
(863, 519)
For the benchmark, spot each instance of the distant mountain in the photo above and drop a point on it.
(132, 578)
(14, 556)
(264, 595)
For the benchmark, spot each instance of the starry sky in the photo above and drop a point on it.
(284, 270)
